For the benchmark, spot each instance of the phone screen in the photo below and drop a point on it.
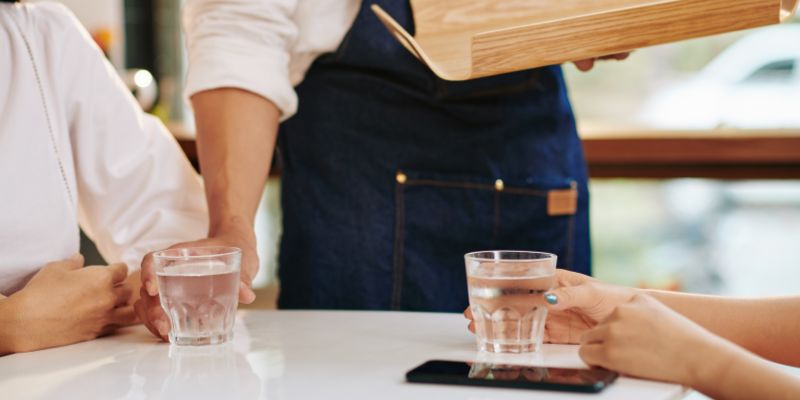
(512, 376)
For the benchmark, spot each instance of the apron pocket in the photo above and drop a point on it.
(439, 217)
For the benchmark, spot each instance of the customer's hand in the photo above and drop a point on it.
(65, 303)
(577, 304)
(588, 64)
(647, 339)
(149, 306)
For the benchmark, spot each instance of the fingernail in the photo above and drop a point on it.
(551, 298)
(75, 257)
(162, 328)
(246, 293)
(151, 288)
(251, 295)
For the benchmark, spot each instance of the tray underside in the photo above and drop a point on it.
(466, 39)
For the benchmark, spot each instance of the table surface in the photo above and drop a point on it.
(287, 355)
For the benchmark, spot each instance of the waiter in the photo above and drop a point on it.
(389, 174)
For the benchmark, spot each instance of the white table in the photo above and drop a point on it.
(285, 355)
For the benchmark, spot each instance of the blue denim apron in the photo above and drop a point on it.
(391, 175)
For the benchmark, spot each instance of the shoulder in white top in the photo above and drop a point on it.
(75, 148)
(262, 46)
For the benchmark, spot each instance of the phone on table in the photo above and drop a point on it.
(512, 376)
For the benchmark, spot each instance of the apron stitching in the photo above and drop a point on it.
(569, 241)
(531, 192)
(397, 285)
(455, 185)
(467, 185)
(570, 232)
(496, 231)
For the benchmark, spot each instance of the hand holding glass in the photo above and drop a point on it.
(506, 296)
(199, 289)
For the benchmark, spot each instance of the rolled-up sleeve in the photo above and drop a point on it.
(242, 44)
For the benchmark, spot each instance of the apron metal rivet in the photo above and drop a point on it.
(401, 178)
(499, 185)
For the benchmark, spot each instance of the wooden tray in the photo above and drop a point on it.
(466, 39)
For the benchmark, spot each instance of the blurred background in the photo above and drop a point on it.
(658, 220)
(734, 236)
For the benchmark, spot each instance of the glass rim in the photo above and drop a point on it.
(476, 255)
(223, 251)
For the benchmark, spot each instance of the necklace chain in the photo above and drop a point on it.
(53, 141)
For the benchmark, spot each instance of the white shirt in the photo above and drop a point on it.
(75, 149)
(262, 46)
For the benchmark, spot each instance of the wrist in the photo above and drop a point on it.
(708, 363)
(237, 226)
(10, 328)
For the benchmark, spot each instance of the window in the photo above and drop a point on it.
(777, 71)
(706, 108)
(696, 85)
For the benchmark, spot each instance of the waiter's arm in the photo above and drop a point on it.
(236, 132)
(239, 86)
(238, 82)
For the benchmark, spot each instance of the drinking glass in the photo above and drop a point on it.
(506, 296)
(199, 290)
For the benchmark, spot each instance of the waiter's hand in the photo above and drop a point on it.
(578, 303)
(149, 306)
(587, 65)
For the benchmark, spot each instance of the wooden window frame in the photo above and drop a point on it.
(729, 155)
(723, 154)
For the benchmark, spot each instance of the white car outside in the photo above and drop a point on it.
(753, 84)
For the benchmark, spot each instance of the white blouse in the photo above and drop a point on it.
(76, 149)
(262, 46)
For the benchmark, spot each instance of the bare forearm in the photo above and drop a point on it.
(763, 326)
(236, 133)
(728, 372)
(8, 326)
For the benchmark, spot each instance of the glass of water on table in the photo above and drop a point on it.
(199, 291)
(506, 296)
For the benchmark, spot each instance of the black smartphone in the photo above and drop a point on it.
(512, 376)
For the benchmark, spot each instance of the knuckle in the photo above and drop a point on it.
(639, 298)
(122, 267)
(584, 354)
(98, 275)
(104, 281)
(108, 300)
(614, 332)
(625, 310)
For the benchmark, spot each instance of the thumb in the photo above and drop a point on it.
(148, 275)
(571, 297)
